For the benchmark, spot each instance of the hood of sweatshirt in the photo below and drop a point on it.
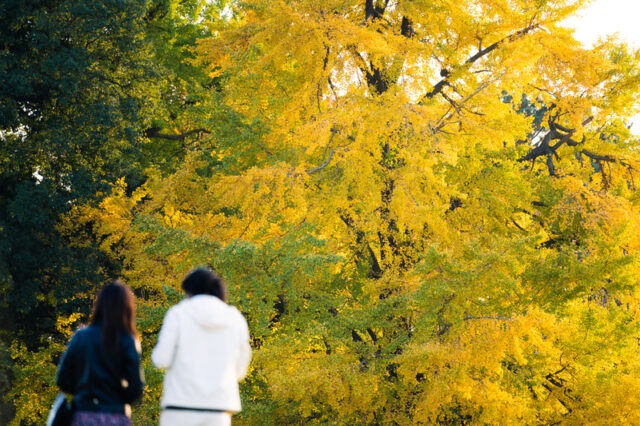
(209, 311)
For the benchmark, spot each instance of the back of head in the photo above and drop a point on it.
(204, 281)
(115, 311)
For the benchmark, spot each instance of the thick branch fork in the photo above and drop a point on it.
(564, 135)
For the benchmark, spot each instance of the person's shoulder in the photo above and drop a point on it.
(177, 308)
(236, 314)
(234, 309)
(130, 342)
(85, 331)
(83, 334)
(127, 338)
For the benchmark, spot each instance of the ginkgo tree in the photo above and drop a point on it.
(426, 209)
(408, 245)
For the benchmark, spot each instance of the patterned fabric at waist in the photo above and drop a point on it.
(88, 418)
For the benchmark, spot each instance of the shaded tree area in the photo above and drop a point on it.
(70, 72)
(88, 93)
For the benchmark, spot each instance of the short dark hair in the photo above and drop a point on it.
(205, 281)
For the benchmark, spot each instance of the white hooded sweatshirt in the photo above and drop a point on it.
(204, 345)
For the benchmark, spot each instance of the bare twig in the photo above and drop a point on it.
(487, 317)
(544, 90)
(447, 115)
(326, 160)
(326, 163)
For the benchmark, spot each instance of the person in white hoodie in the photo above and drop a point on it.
(204, 346)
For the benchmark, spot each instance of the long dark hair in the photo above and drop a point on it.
(115, 311)
(205, 281)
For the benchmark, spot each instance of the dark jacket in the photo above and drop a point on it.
(95, 378)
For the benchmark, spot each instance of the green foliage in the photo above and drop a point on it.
(34, 387)
(6, 408)
(80, 85)
(72, 104)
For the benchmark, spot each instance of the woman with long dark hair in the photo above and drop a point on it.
(101, 366)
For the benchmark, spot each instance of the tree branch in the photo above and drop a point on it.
(332, 87)
(447, 115)
(544, 90)
(326, 163)
(373, 11)
(596, 157)
(483, 52)
(564, 135)
(154, 132)
(362, 64)
(486, 317)
(406, 27)
(324, 155)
